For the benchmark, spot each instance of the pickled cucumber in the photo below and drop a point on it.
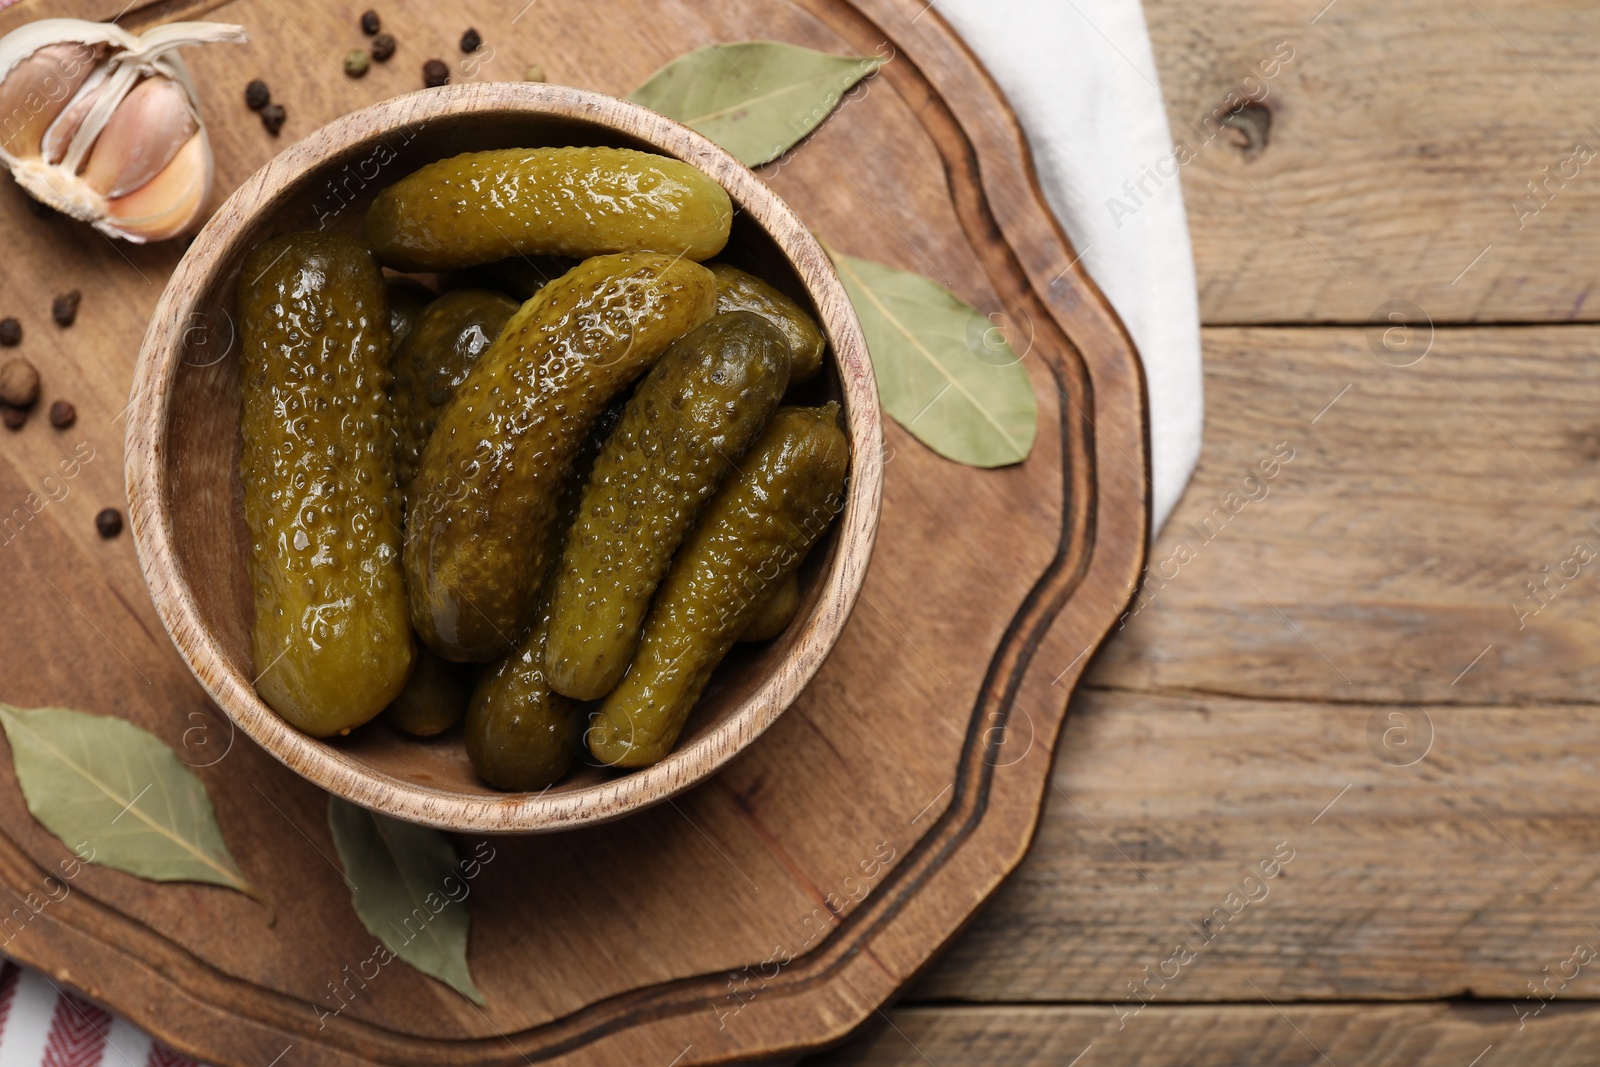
(449, 336)
(332, 638)
(739, 291)
(434, 698)
(752, 535)
(406, 301)
(775, 612)
(689, 420)
(522, 735)
(482, 206)
(484, 498)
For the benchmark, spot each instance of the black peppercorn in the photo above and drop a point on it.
(435, 73)
(272, 117)
(382, 47)
(257, 95)
(64, 308)
(13, 417)
(63, 414)
(108, 522)
(470, 41)
(10, 332)
(370, 23)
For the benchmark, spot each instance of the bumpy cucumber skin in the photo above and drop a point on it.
(482, 206)
(444, 342)
(776, 612)
(740, 291)
(688, 422)
(434, 698)
(332, 639)
(753, 534)
(485, 494)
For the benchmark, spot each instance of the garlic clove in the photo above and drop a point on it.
(143, 135)
(104, 125)
(58, 138)
(169, 203)
(37, 89)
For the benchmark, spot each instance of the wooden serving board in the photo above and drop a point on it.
(774, 909)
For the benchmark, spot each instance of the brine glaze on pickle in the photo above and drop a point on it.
(434, 698)
(739, 290)
(688, 422)
(332, 638)
(751, 536)
(446, 340)
(482, 206)
(485, 494)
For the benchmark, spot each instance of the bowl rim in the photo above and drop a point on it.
(339, 773)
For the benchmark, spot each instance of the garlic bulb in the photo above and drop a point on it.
(104, 125)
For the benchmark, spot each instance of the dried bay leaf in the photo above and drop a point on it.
(945, 372)
(117, 796)
(757, 99)
(397, 875)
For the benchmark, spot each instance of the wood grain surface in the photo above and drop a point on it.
(1399, 542)
(1462, 875)
(1394, 149)
(1283, 1035)
(858, 836)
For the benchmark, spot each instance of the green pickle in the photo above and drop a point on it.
(406, 301)
(446, 335)
(434, 698)
(486, 491)
(689, 421)
(482, 206)
(521, 734)
(741, 291)
(776, 611)
(752, 535)
(447, 339)
(332, 638)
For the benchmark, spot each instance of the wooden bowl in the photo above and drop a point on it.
(185, 496)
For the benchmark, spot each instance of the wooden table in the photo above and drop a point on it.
(1303, 648)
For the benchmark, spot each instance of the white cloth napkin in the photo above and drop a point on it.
(1081, 77)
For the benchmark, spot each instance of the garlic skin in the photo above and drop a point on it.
(58, 135)
(104, 125)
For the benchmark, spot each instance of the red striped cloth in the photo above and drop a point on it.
(43, 1025)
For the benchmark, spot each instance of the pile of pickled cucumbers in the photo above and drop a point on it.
(546, 501)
